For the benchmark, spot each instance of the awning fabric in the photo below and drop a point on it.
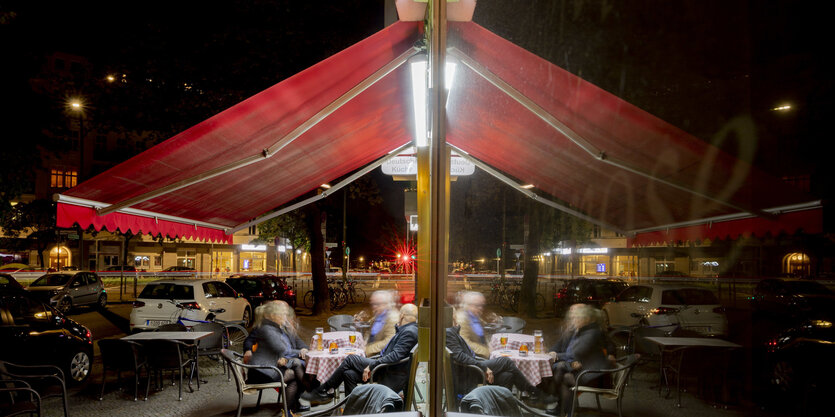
(367, 127)
(810, 221)
(483, 121)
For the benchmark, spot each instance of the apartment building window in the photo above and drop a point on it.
(60, 178)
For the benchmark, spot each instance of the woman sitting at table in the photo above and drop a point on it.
(581, 347)
(275, 342)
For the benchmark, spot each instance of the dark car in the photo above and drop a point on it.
(671, 273)
(179, 269)
(32, 333)
(65, 290)
(789, 296)
(8, 281)
(588, 291)
(261, 288)
(797, 367)
(119, 268)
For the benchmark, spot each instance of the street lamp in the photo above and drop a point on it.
(76, 105)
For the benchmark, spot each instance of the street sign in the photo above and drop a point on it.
(499, 252)
(330, 244)
(517, 247)
(347, 250)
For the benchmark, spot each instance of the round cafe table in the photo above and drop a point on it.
(323, 363)
(514, 340)
(535, 366)
(341, 339)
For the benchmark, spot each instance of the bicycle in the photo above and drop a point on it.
(338, 297)
(355, 293)
(512, 293)
(234, 330)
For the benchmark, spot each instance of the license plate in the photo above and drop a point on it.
(700, 329)
(156, 323)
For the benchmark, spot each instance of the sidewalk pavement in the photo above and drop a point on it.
(218, 397)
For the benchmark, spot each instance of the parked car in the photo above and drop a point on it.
(789, 296)
(588, 291)
(796, 369)
(671, 273)
(286, 291)
(65, 290)
(33, 333)
(119, 268)
(166, 301)
(8, 281)
(256, 289)
(179, 269)
(668, 307)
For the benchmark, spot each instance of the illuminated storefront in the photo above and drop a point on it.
(253, 258)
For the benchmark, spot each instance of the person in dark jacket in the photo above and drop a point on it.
(273, 344)
(583, 346)
(499, 371)
(355, 369)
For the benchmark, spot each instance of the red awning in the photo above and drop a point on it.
(810, 221)
(585, 148)
(370, 125)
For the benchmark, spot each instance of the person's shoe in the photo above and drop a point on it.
(316, 397)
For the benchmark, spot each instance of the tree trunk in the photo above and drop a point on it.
(313, 218)
(527, 298)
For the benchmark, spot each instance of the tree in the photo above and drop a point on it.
(34, 222)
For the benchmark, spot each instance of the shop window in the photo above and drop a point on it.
(186, 258)
(796, 264)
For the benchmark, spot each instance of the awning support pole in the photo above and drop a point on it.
(579, 140)
(280, 144)
(334, 188)
(503, 178)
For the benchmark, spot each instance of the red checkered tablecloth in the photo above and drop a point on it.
(323, 364)
(514, 340)
(341, 339)
(535, 366)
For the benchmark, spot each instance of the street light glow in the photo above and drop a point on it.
(75, 104)
(110, 78)
(784, 107)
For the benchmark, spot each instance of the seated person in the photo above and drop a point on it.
(499, 371)
(382, 324)
(468, 316)
(355, 369)
(271, 343)
(582, 347)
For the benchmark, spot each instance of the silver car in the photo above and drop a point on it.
(65, 290)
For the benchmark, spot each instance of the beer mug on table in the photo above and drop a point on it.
(319, 335)
(503, 340)
(537, 341)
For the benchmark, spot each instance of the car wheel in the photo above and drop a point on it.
(78, 368)
(65, 305)
(102, 304)
(783, 376)
(247, 317)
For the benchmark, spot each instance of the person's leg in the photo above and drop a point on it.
(506, 372)
(291, 389)
(568, 382)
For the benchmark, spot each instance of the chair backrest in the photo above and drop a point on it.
(644, 346)
(164, 354)
(236, 367)
(336, 321)
(120, 354)
(213, 341)
(619, 378)
(171, 327)
(449, 389)
(514, 324)
(410, 386)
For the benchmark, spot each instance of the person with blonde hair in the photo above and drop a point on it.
(382, 329)
(583, 346)
(275, 342)
(468, 316)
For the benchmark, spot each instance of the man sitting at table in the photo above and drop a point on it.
(468, 316)
(355, 369)
(382, 325)
(499, 371)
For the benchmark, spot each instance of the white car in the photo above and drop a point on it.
(169, 300)
(666, 307)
